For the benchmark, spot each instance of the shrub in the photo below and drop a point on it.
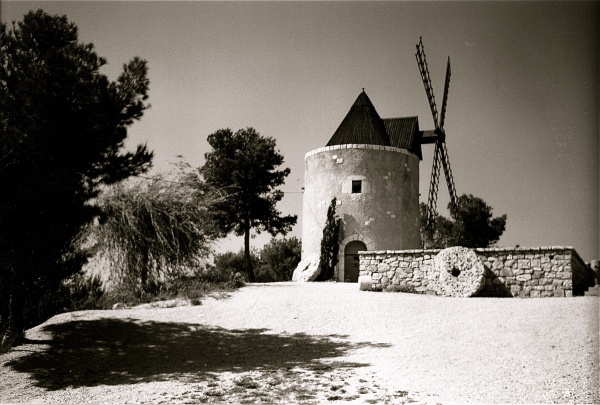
(278, 260)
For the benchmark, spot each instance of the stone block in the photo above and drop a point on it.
(523, 277)
(537, 274)
(534, 294)
(524, 263)
(559, 292)
(384, 280)
(536, 263)
(509, 263)
(375, 276)
(383, 267)
(557, 282)
(568, 284)
(506, 272)
(564, 275)
(568, 293)
(515, 288)
(535, 282)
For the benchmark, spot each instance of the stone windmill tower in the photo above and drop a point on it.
(371, 166)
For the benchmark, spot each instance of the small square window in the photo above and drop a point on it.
(356, 186)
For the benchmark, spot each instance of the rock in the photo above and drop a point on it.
(119, 305)
(307, 270)
(457, 272)
(365, 283)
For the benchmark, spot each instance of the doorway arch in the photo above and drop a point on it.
(351, 260)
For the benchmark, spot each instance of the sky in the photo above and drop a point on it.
(522, 117)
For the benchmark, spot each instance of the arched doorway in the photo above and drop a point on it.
(351, 269)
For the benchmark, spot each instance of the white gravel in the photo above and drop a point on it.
(315, 343)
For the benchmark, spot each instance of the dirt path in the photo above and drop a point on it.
(314, 343)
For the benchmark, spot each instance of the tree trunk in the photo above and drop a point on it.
(12, 329)
(247, 259)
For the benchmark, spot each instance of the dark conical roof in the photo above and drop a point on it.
(362, 125)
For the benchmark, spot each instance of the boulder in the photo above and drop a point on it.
(307, 270)
(457, 272)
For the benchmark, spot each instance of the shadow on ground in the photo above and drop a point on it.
(113, 351)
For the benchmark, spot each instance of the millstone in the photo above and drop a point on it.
(457, 272)
(308, 269)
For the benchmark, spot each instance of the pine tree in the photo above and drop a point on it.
(62, 127)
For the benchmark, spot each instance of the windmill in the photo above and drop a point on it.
(437, 136)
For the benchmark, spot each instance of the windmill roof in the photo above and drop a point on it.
(403, 133)
(363, 125)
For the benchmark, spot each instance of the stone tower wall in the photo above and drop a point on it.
(384, 215)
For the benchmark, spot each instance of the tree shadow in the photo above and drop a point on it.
(115, 351)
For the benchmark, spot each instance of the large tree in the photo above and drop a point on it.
(63, 125)
(471, 226)
(244, 166)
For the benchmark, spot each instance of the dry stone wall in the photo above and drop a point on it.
(556, 271)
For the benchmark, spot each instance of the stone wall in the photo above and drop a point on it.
(556, 271)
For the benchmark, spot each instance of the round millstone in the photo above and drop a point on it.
(457, 272)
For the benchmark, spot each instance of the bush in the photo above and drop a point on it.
(278, 260)
(229, 265)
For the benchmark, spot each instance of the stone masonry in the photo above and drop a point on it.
(556, 271)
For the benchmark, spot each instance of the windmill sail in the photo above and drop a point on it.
(440, 154)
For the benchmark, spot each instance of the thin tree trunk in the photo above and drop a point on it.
(248, 260)
(13, 305)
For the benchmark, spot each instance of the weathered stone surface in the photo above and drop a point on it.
(307, 270)
(457, 272)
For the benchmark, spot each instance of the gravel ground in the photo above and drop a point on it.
(314, 343)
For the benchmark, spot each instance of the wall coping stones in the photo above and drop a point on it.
(480, 250)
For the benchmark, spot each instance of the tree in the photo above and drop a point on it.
(62, 128)
(471, 226)
(154, 228)
(278, 259)
(244, 166)
(330, 243)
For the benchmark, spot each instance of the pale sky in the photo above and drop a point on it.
(522, 118)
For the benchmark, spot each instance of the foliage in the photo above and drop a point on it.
(229, 265)
(330, 244)
(244, 165)
(62, 128)
(278, 260)
(471, 226)
(193, 287)
(154, 228)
